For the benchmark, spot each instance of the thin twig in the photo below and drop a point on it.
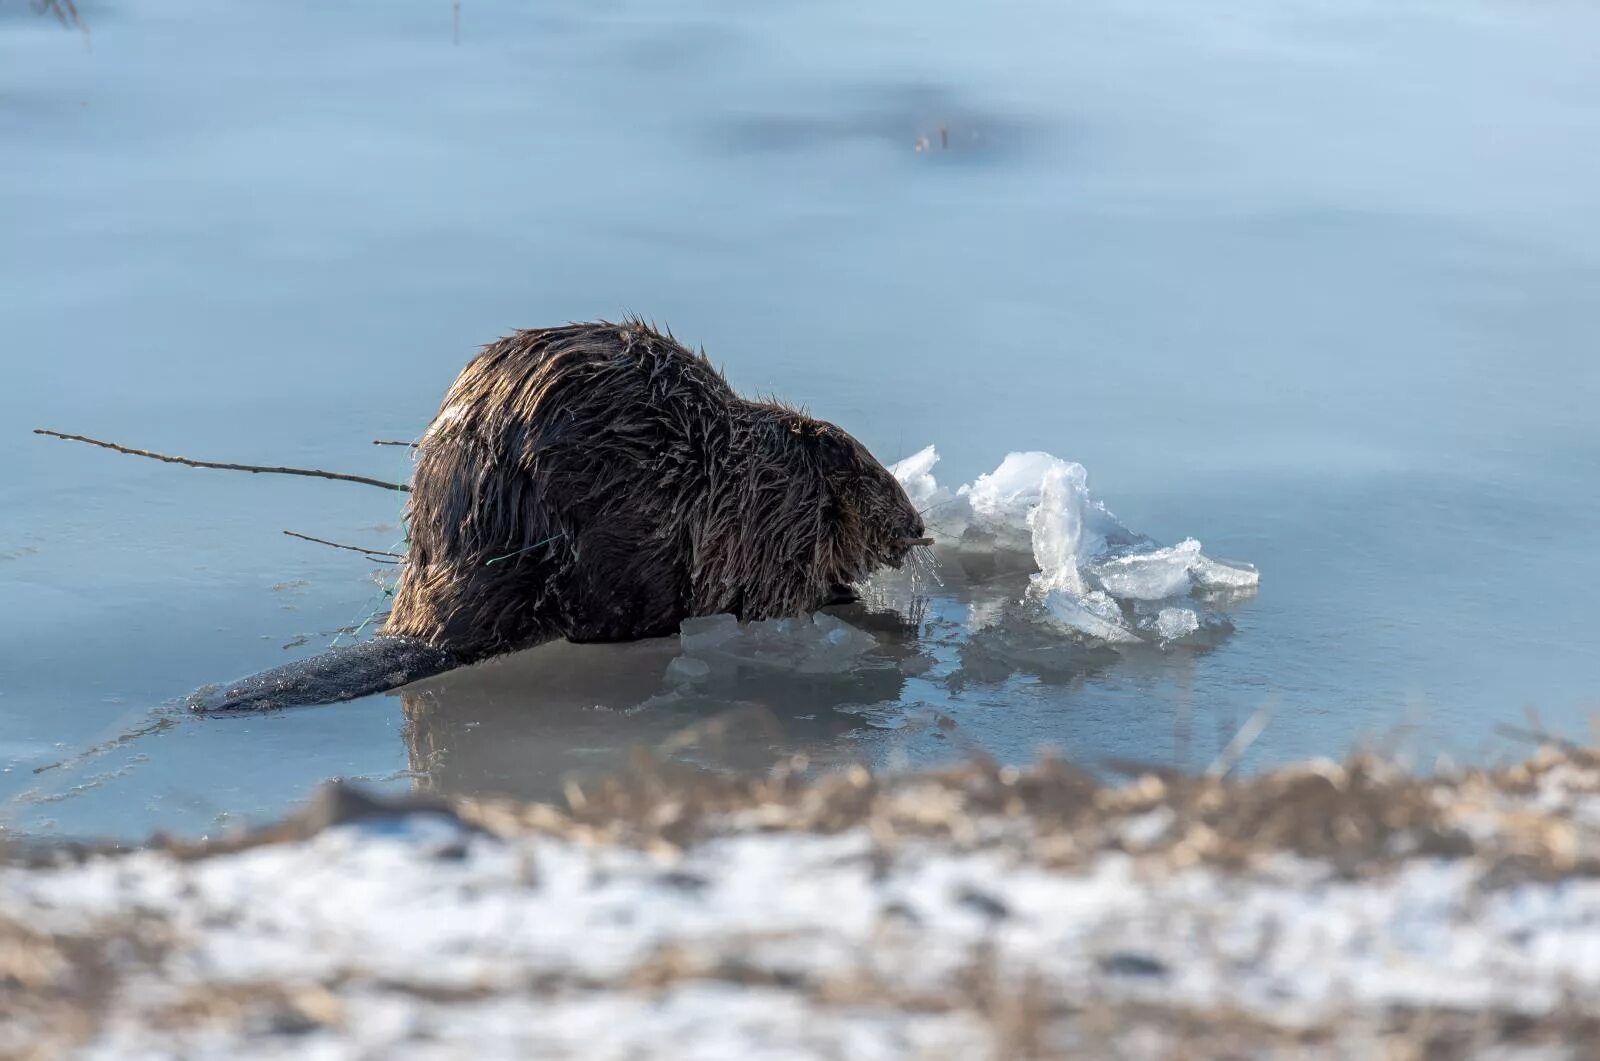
(392, 442)
(370, 553)
(315, 473)
(1234, 752)
(946, 503)
(156, 724)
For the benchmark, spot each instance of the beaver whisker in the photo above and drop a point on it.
(941, 504)
(923, 561)
(519, 552)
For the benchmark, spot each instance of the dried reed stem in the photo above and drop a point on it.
(336, 545)
(315, 473)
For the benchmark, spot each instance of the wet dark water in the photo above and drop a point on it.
(1314, 283)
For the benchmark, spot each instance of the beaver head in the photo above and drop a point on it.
(868, 520)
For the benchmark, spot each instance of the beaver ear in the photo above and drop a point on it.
(831, 450)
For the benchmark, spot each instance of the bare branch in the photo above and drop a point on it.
(369, 553)
(389, 442)
(315, 473)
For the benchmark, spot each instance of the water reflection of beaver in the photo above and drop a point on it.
(524, 724)
(600, 482)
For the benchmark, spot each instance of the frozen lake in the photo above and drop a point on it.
(1314, 283)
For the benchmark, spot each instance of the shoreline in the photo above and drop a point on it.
(972, 911)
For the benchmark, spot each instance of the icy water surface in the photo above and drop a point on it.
(1313, 283)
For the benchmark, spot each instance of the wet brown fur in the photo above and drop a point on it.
(600, 482)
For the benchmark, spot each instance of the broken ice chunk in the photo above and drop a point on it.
(1057, 521)
(1000, 507)
(993, 654)
(1008, 492)
(1005, 501)
(915, 474)
(1093, 570)
(698, 637)
(1104, 532)
(1173, 623)
(686, 670)
(1178, 620)
(817, 644)
(1150, 575)
(1217, 574)
(1094, 614)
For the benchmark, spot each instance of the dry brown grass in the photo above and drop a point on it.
(1360, 817)
(1363, 818)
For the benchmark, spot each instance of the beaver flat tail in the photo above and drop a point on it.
(343, 673)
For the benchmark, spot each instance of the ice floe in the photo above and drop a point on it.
(1096, 576)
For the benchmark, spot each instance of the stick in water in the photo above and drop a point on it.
(315, 473)
(336, 545)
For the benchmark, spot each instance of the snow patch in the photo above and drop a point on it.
(421, 932)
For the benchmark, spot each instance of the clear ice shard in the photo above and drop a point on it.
(1180, 620)
(1149, 576)
(1056, 518)
(1096, 575)
(816, 644)
(915, 474)
(1057, 522)
(1217, 574)
(1093, 613)
(1005, 501)
(1174, 623)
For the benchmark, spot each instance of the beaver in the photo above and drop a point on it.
(601, 482)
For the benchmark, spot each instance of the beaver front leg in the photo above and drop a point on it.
(343, 673)
(839, 593)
